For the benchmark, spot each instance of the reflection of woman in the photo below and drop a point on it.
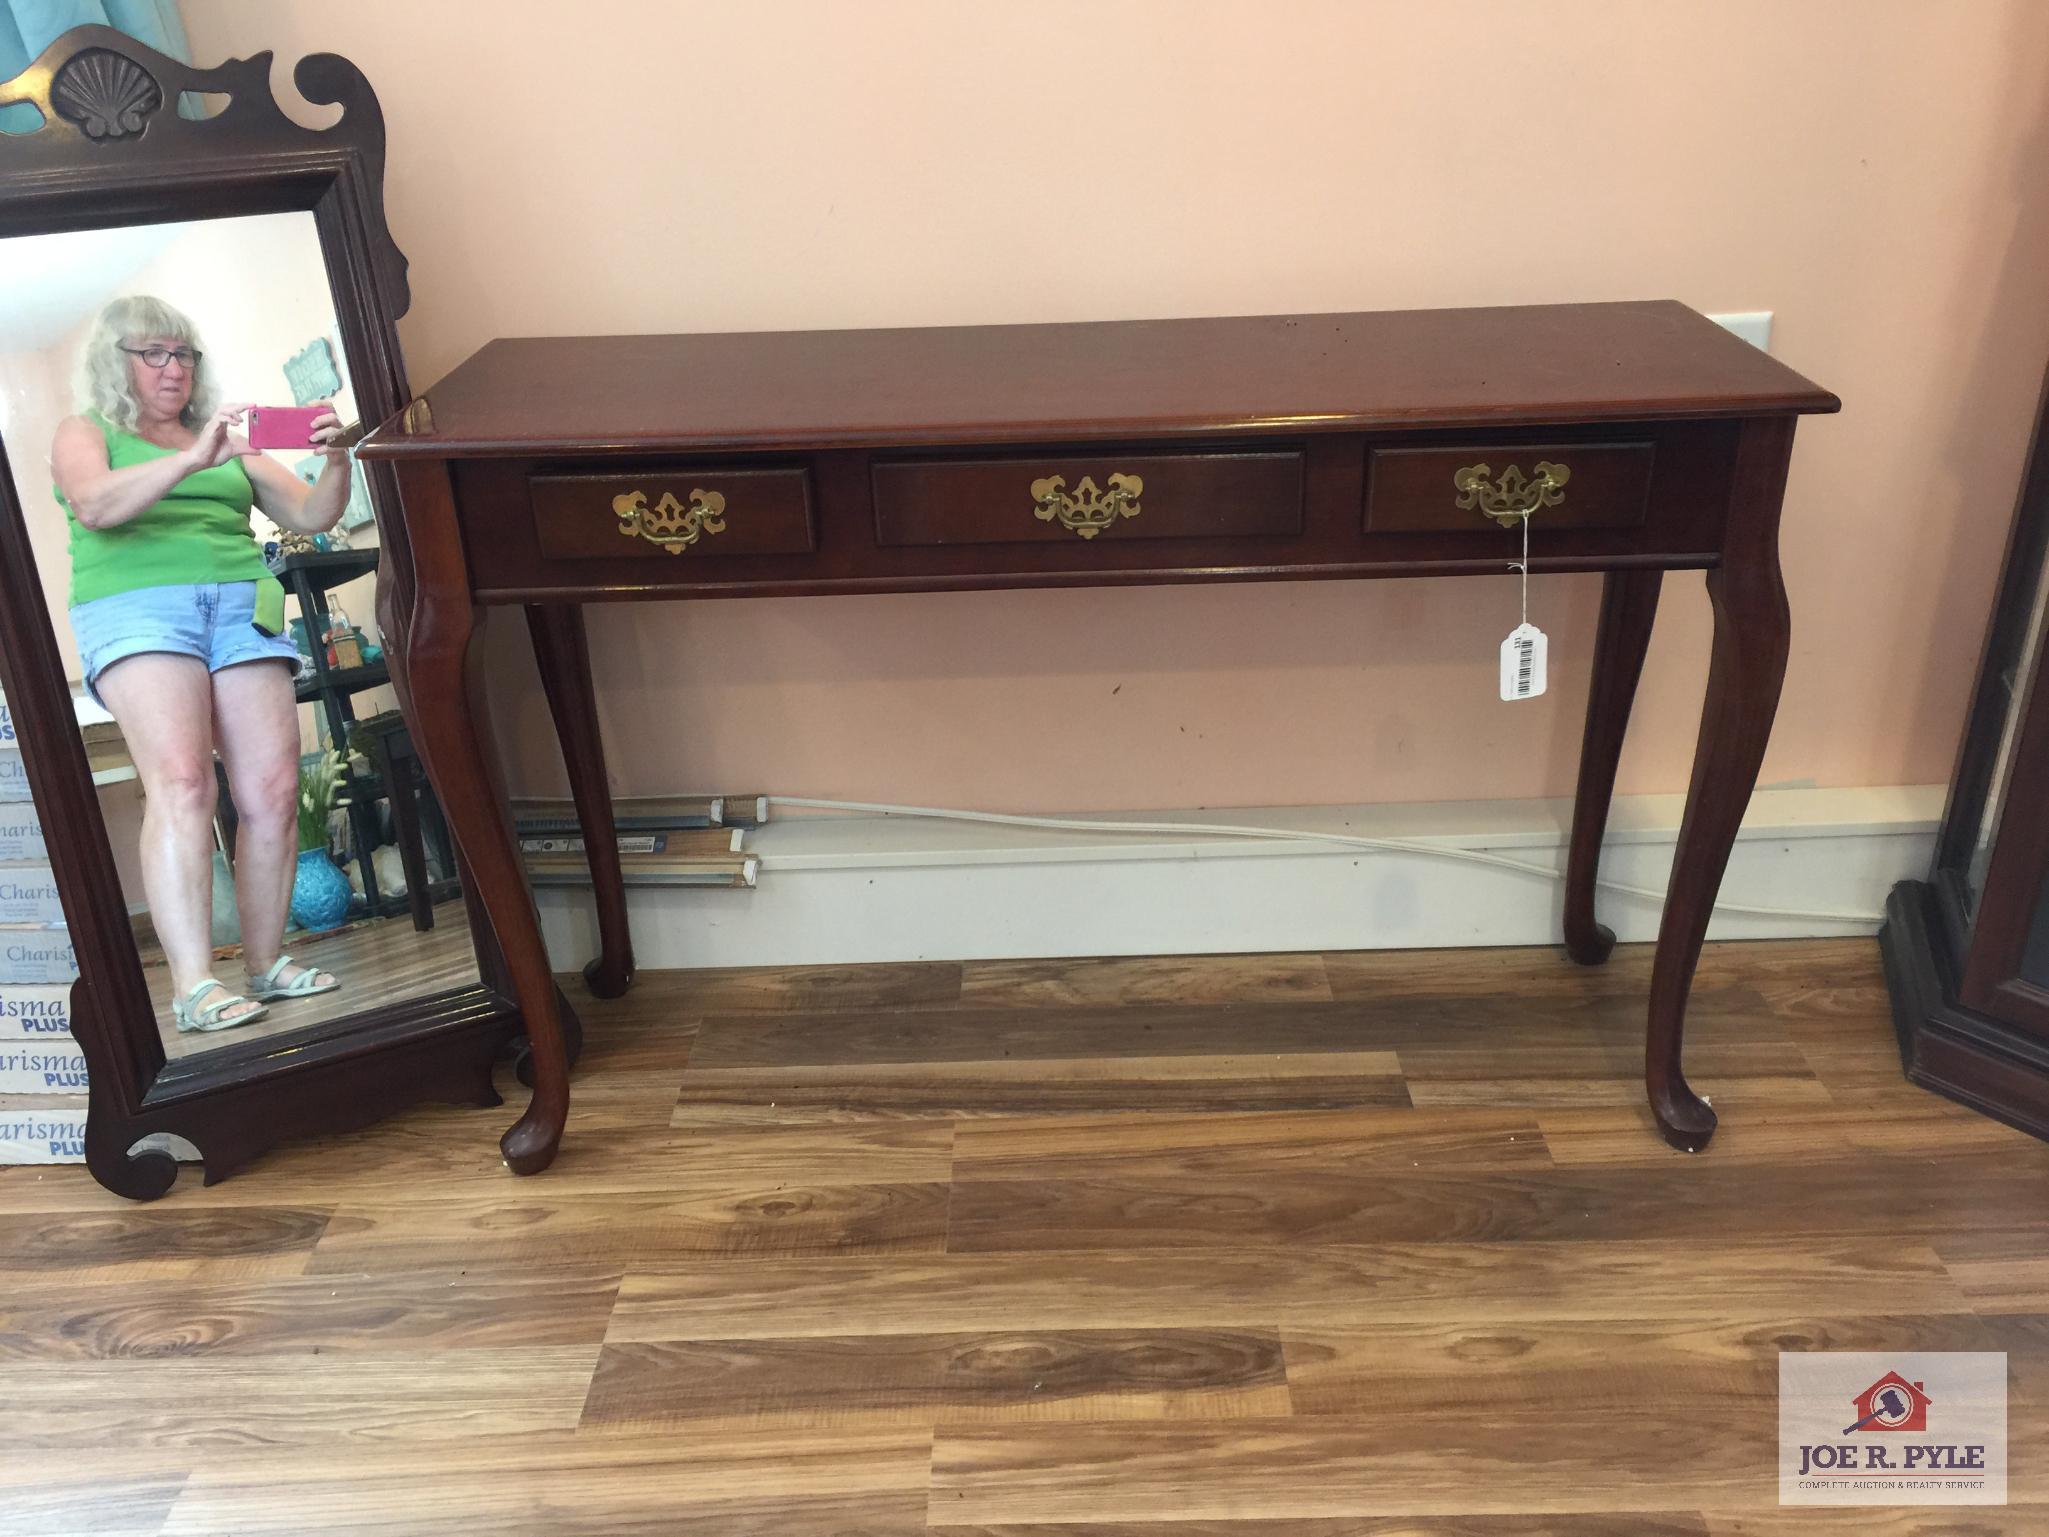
(165, 586)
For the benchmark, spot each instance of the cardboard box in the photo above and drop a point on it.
(105, 748)
(13, 776)
(21, 833)
(28, 894)
(35, 1013)
(43, 1135)
(36, 955)
(53, 1131)
(42, 1067)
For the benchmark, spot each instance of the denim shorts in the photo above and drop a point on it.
(213, 621)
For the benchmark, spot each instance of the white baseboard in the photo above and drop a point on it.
(837, 890)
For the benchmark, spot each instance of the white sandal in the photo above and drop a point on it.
(213, 1016)
(301, 986)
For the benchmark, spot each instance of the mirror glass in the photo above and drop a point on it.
(172, 400)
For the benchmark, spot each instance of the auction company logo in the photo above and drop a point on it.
(1890, 1453)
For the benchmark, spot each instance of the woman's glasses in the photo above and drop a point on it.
(157, 357)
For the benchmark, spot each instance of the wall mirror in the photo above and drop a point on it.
(204, 612)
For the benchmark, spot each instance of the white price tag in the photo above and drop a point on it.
(1522, 662)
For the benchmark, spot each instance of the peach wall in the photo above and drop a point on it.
(1870, 170)
(37, 386)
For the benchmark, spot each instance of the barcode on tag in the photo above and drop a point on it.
(1522, 662)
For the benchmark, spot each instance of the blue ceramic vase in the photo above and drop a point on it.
(320, 892)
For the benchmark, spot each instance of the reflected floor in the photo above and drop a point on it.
(378, 963)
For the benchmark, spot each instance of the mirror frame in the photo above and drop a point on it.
(114, 150)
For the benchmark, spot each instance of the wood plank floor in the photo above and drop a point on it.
(1245, 1246)
(385, 960)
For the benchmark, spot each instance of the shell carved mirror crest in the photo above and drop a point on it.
(106, 95)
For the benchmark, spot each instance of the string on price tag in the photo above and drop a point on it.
(1523, 654)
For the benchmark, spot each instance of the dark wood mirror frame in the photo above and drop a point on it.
(113, 149)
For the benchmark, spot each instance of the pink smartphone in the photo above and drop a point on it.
(283, 426)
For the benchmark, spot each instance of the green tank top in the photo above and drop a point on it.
(198, 533)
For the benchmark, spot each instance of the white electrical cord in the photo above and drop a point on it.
(1289, 835)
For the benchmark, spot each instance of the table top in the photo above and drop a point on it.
(1224, 376)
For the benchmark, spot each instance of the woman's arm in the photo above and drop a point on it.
(288, 501)
(102, 497)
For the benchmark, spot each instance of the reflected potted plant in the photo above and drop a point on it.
(320, 892)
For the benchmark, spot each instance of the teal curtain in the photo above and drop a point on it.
(27, 27)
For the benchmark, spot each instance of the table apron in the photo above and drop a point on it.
(617, 526)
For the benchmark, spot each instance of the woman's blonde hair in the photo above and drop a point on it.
(103, 381)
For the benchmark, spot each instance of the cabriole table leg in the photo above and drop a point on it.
(563, 654)
(1629, 604)
(1752, 630)
(450, 722)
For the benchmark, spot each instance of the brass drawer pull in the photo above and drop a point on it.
(1512, 497)
(1087, 509)
(669, 523)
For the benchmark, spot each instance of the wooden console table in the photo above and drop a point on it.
(1638, 438)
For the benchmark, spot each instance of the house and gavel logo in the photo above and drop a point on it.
(1895, 1404)
(1891, 1403)
(1895, 1443)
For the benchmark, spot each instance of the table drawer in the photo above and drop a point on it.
(1060, 497)
(679, 511)
(1453, 490)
